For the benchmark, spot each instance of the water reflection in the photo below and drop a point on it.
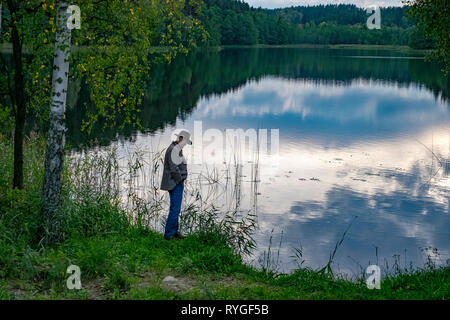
(175, 90)
(360, 110)
(358, 137)
(368, 149)
(390, 185)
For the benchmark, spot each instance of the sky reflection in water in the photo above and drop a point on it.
(363, 148)
(367, 148)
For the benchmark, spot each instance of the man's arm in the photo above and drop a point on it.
(173, 168)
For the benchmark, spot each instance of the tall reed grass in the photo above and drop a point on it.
(130, 180)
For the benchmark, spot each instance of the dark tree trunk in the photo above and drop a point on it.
(19, 109)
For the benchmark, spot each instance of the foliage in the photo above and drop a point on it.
(232, 22)
(114, 46)
(433, 17)
(111, 52)
(342, 15)
(36, 32)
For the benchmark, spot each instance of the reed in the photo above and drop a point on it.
(130, 180)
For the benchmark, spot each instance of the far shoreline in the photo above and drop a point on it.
(397, 48)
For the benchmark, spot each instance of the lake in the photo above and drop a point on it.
(363, 145)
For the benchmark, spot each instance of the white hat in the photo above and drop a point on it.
(185, 134)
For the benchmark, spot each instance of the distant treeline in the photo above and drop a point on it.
(233, 22)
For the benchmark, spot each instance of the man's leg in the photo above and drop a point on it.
(176, 197)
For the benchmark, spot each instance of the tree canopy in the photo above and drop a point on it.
(111, 52)
(233, 22)
(433, 18)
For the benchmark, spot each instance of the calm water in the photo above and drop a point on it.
(364, 138)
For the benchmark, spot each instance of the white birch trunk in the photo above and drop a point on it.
(54, 158)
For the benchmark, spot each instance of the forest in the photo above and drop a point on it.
(234, 22)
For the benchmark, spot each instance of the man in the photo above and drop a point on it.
(174, 174)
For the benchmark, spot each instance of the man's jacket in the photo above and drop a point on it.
(175, 168)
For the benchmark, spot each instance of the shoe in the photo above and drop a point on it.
(179, 236)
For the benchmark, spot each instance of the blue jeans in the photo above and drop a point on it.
(176, 197)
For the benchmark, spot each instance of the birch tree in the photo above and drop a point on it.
(114, 60)
(54, 159)
(110, 53)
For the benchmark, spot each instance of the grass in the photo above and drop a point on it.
(121, 258)
(133, 265)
